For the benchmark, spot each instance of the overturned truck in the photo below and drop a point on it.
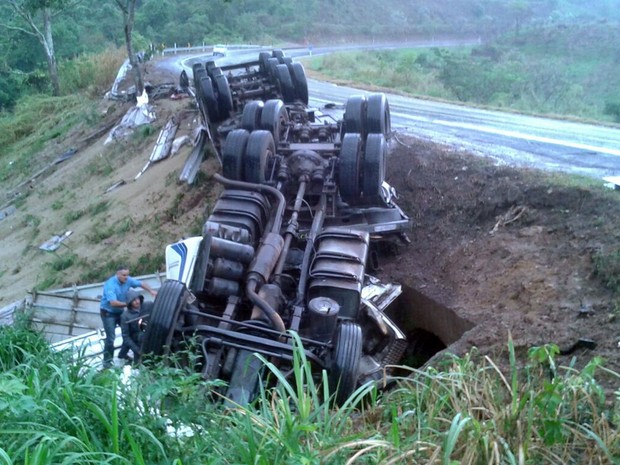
(291, 239)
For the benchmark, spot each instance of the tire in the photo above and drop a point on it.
(170, 300)
(233, 153)
(299, 81)
(215, 72)
(272, 63)
(262, 63)
(347, 353)
(355, 115)
(279, 54)
(274, 118)
(287, 89)
(208, 98)
(224, 97)
(209, 66)
(199, 73)
(378, 115)
(259, 156)
(287, 61)
(349, 167)
(373, 173)
(250, 118)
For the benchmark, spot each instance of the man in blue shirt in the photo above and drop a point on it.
(113, 302)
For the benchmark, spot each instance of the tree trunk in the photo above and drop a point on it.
(133, 60)
(48, 45)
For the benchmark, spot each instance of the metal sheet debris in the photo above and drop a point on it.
(54, 242)
(613, 182)
(7, 211)
(163, 145)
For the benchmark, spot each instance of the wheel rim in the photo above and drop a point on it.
(274, 119)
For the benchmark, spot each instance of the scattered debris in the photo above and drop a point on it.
(65, 156)
(7, 211)
(612, 182)
(178, 143)
(54, 242)
(115, 185)
(139, 115)
(162, 146)
(513, 214)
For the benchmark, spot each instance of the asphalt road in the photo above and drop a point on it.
(510, 138)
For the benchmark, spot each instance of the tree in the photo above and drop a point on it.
(37, 16)
(128, 8)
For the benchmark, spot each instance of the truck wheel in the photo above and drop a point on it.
(378, 115)
(354, 119)
(279, 54)
(208, 98)
(286, 84)
(224, 97)
(259, 156)
(199, 73)
(210, 66)
(274, 118)
(374, 168)
(250, 119)
(262, 63)
(171, 299)
(233, 153)
(215, 72)
(299, 81)
(349, 163)
(344, 372)
(272, 63)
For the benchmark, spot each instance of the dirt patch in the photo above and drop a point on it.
(506, 250)
(510, 251)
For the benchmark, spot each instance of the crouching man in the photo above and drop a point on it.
(130, 327)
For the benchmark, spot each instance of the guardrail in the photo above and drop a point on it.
(207, 48)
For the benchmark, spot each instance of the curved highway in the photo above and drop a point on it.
(510, 138)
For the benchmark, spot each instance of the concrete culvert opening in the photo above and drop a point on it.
(430, 326)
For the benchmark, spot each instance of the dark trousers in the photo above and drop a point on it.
(110, 322)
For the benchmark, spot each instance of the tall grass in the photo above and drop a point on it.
(466, 410)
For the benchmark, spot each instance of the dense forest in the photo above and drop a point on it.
(92, 26)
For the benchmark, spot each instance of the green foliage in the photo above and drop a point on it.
(62, 262)
(55, 407)
(613, 109)
(93, 73)
(607, 268)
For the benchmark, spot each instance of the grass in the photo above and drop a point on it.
(531, 73)
(466, 410)
(607, 269)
